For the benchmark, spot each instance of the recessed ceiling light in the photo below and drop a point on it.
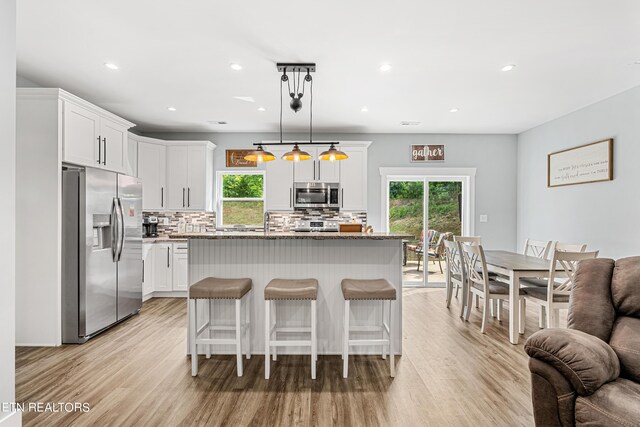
(385, 67)
(111, 66)
(245, 98)
(235, 67)
(454, 110)
(364, 109)
(171, 108)
(409, 123)
(509, 67)
(261, 109)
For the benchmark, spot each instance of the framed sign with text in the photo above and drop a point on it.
(235, 159)
(427, 153)
(580, 165)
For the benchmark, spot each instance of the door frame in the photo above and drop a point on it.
(427, 174)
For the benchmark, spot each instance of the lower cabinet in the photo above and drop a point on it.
(165, 268)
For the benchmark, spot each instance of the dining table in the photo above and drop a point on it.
(516, 266)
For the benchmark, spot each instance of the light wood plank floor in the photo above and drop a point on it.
(137, 374)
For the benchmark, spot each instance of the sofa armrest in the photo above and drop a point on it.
(553, 397)
(585, 361)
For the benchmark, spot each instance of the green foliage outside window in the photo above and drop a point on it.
(242, 186)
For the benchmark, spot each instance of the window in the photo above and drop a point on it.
(241, 199)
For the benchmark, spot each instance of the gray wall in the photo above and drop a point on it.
(494, 156)
(7, 194)
(603, 215)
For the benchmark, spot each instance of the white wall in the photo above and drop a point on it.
(603, 215)
(7, 213)
(494, 156)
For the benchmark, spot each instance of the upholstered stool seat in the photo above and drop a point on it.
(377, 289)
(354, 290)
(216, 288)
(289, 289)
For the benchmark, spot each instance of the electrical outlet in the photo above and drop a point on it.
(484, 218)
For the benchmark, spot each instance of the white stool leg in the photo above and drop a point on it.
(267, 334)
(314, 342)
(247, 322)
(193, 327)
(384, 332)
(275, 326)
(392, 355)
(345, 343)
(209, 332)
(238, 337)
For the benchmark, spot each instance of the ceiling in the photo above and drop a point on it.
(444, 54)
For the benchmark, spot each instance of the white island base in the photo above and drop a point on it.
(329, 260)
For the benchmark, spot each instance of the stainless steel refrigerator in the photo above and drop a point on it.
(101, 250)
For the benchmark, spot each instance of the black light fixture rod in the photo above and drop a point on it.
(296, 143)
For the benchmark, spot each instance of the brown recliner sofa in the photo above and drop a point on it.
(589, 374)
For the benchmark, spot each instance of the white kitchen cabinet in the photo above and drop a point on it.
(152, 171)
(353, 179)
(180, 267)
(315, 169)
(279, 182)
(94, 139)
(190, 176)
(162, 267)
(147, 268)
(131, 164)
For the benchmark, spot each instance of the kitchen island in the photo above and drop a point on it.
(326, 256)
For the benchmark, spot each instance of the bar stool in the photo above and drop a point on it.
(373, 289)
(214, 288)
(289, 289)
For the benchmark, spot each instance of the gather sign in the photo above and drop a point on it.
(427, 153)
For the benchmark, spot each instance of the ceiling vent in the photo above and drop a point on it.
(409, 123)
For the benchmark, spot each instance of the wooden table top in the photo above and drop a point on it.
(515, 261)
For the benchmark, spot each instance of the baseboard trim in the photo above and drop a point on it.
(11, 419)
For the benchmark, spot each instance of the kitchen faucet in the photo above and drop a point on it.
(267, 217)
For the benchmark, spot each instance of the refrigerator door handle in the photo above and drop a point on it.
(114, 229)
(120, 229)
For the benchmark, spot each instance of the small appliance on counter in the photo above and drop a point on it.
(315, 224)
(150, 226)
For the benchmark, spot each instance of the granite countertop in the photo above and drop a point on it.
(163, 239)
(290, 235)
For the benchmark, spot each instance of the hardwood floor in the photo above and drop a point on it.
(137, 374)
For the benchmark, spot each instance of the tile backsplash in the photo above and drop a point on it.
(284, 220)
(206, 219)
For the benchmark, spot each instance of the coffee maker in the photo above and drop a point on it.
(150, 226)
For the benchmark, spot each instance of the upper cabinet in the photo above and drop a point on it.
(279, 182)
(190, 176)
(152, 166)
(93, 137)
(315, 169)
(353, 179)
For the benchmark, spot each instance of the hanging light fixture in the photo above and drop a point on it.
(300, 76)
(296, 154)
(333, 154)
(259, 155)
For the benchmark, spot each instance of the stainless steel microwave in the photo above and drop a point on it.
(317, 195)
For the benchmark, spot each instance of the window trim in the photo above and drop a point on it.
(219, 199)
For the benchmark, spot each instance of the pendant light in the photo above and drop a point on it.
(332, 154)
(296, 154)
(259, 155)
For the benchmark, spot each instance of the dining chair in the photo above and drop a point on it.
(456, 274)
(537, 248)
(555, 296)
(554, 246)
(437, 252)
(477, 240)
(481, 285)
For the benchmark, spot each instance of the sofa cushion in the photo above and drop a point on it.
(590, 306)
(613, 404)
(625, 341)
(585, 361)
(625, 287)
